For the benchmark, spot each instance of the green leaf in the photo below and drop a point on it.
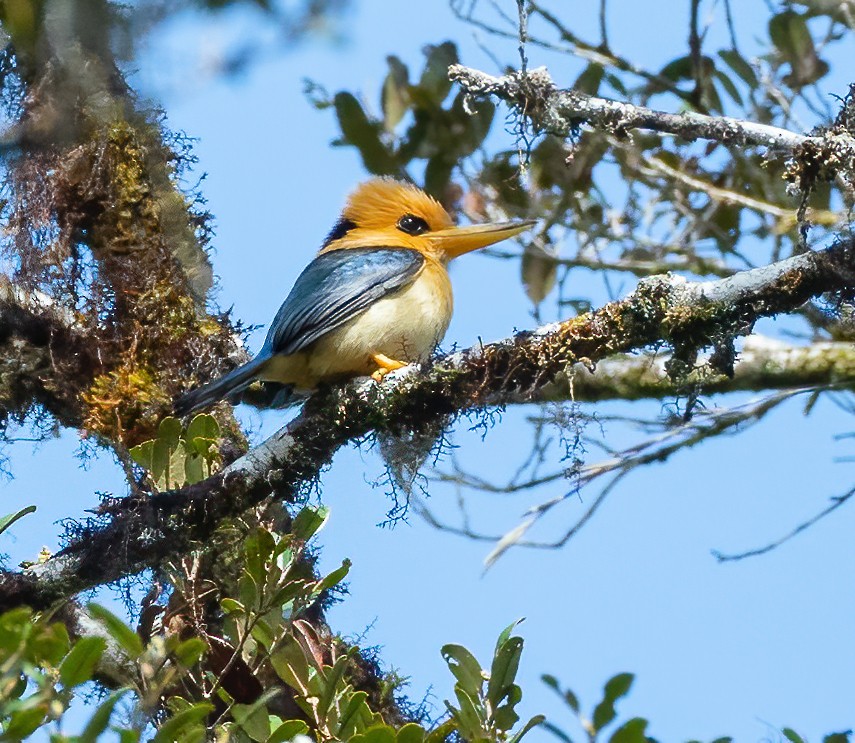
(466, 131)
(194, 468)
(838, 737)
(291, 666)
(790, 34)
(351, 715)
(263, 634)
(410, 733)
(309, 522)
(232, 606)
(440, 734)
(505, 634)
(8, 520)
(15, 624)
(678, 69)
(504, 669)
(335, 577)
(169, 430)
(539, 272)
(143, 455)
(792, 736)
(469, 714)
(78, 666)
(590, 79)
(395, 98)
(358, 130)
(568, 696)
(740, 66)
(434, 82)
(205, 428)
(248, 589)
(253, 719)
(616, 83)
(377, 734)
(532, 723)
(332, 678)
(128, 640)
(729, 86)
(101, 718)
(24, 722)
(505, 717)
(615, 688)
(632, 731)
(465, 668)
(165, 456)
(50, 644)
(190, 651)
(174, 455)
(183, 723)
(258, 550)
(288, 730)
(438, 174)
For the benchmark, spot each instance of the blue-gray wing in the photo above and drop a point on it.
(334, 288)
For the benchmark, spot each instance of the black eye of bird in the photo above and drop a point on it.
(412, 225)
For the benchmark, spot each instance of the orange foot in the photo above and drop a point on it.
(386, 365)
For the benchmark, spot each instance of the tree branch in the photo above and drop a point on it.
(764, 364)
(41, 352)
(560, 112)
(144, 530)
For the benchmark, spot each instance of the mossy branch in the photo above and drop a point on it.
(144, 530)
(763, 364)
(43, 357)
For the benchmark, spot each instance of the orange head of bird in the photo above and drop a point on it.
(384, 212)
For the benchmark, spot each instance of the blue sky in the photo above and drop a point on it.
(740, 649)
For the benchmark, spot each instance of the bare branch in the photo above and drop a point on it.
(657, 448)
(836, 502)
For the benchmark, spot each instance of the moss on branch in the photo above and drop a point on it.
(142, 531)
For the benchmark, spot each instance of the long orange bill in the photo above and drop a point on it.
(456, 241)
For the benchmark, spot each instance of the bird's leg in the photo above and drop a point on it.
(385, 365)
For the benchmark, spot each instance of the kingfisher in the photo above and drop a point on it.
(376, 298)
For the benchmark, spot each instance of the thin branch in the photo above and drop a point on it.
(655, 449)
(523, 28)
(817, 216)
(836, 502)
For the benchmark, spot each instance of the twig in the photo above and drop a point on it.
(836, 502)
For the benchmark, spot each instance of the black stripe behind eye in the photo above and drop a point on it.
(339, 230)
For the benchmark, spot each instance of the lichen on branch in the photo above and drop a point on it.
(668, 311)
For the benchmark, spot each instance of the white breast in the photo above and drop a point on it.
(405, 326)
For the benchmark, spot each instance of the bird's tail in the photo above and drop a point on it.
(215, 391)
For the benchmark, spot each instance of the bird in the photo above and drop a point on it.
(376, 298)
